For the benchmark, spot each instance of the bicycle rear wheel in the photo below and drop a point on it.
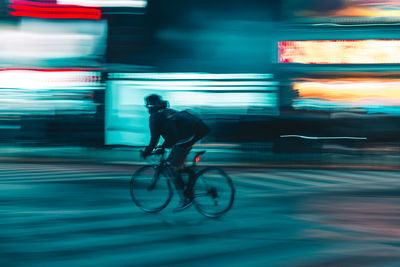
(213, 192)
(151, 191)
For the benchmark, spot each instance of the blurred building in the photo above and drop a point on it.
(75, 71)
(339, 61)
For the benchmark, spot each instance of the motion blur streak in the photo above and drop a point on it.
(227, 96)
(54, 16)
(189, 76)
(56, 9)
(377, 95)
(48, 79)
(52, 10)
(340, 52)
(51, 3)
(324, 138)
(106, 3)
(42, 92)
(201, 83)
(59, 44)
(344, 12)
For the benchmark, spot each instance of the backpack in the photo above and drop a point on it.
(189, 125)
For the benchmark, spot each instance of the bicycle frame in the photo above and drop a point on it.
(159, 168)
(206, 188)
(163, 167)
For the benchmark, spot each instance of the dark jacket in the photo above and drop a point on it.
(160, 125)
(174, 127)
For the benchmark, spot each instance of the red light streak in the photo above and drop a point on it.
(53, 10)
(92, 11)
(53, 16)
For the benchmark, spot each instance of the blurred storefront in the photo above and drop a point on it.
(52, 67)
(75, 72)
(340, 64)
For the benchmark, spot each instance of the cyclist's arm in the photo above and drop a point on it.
(164, 145)
(155, 135)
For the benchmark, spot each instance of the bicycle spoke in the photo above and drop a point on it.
(214, 192)
(149, 190)
(200, 195)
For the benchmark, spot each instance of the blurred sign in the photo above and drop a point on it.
(50, 9)
(368, 95)
(340, 52)
(47, 79)
(48, 91)
(52, 43)
(343, 11)
(211, 95)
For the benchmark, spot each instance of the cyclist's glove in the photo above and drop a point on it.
(158, 151)
(145, 153)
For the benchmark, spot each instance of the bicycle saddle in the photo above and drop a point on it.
(200, 153)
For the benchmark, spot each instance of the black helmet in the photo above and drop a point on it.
(155, 102)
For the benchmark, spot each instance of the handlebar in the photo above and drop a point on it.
(156, 151)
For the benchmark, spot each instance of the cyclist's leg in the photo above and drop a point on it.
(188, 193)
(177, 159)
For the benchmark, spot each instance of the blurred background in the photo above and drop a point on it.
(283, 76)
(302, 98)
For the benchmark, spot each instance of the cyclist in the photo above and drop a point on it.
(180, 130)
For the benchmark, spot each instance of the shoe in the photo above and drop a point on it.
(188, 193)
(183, 204)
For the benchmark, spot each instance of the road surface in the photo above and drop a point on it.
(82, 215)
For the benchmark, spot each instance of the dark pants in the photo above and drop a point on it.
(177, 159)
(181, 150)
(178, 155)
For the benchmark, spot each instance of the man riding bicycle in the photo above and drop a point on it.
(180, 130)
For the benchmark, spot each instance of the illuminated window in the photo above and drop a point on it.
(370, 95)
(340, 52)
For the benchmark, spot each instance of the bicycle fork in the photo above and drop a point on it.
(155, 179)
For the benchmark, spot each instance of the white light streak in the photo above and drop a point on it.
(43, 80)
(323, 138)
(191, 76)
(105, 3)
(200, 84)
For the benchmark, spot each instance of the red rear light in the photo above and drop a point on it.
(197, 159)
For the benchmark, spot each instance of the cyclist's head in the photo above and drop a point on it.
(155, 102)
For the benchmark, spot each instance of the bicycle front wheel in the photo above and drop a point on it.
(213, 192)
(150, 190)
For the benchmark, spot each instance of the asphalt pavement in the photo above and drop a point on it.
(69, 214)
(228, 155)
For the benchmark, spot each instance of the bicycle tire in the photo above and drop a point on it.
(203, 191)
(145, 198)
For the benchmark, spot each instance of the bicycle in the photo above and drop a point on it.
(211, 189)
